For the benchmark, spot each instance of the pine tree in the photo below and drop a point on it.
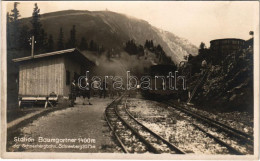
(15, 13)
(24, 38)
(60, 40)
(8, 31)
(37, 28)
(96, 47)
(159, 48)
(72, 40)
(146, 45)
(202, 45)
(15, 26)
(151, 44)
(50, 44)
(83, 44)
(73, 36)
(91, 45)
(131, 47)
(202, 49)
(43, 41)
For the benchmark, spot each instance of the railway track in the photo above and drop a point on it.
(132, 135)
(234, 143)
(202, 122)
(235, 132)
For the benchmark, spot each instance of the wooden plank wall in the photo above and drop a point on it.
(41, 77)
(71, 66)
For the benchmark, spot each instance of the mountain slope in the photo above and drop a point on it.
(112, 30)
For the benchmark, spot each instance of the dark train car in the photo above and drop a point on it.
(160, 87)
(225, 46)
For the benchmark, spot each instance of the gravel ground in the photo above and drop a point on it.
(174, 128)
(131, 142)
(234, 142)
(84, 125)
(157, 143)
(242, 121)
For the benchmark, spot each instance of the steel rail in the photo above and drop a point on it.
(231, 149)
(170, 145)
(239, 134)
(150, 147)
(110, 126)
(229, 130)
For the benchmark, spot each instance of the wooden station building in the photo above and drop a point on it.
(43, 74)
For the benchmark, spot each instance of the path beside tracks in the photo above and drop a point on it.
(85, 123)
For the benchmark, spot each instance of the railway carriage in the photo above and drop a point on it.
(159, 79)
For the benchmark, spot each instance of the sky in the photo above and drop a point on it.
(197, 21)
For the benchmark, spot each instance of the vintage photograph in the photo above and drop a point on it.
(142, 78)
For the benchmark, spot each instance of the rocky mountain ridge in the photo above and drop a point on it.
(112, 30)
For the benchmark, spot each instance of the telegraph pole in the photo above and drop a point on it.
(32, 44)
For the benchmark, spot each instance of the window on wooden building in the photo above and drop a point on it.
(67, 77)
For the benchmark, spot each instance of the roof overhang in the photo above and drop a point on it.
(227, 39)
(74, 52)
